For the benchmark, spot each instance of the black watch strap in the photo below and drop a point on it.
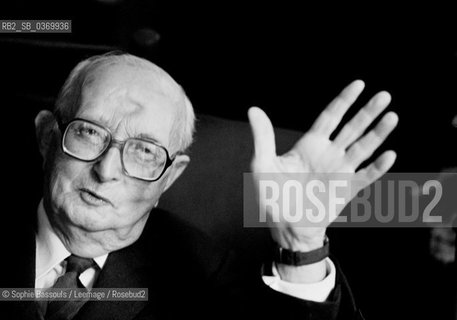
(299, 258)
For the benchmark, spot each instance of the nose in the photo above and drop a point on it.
(108, 167)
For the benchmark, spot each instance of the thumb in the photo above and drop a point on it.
(263, 133)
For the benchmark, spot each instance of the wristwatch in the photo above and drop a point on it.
(299, 258)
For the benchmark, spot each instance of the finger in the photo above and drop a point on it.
(364, 148)
(263, 133)
(362, 120)
(329, 119)
(376, 169)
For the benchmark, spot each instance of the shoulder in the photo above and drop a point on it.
(169, 229)
(171, 241)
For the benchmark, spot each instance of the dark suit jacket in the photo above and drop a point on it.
(186, 274)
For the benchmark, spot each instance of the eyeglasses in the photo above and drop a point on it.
(141, 158)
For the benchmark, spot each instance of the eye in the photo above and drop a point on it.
(144, 149)
(145, 152)
(89, 131)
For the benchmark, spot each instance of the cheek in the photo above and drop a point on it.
(64, 175)
(133, 198)
(142, 196)
(134, 202)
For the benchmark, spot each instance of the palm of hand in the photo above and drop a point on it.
(316, 157)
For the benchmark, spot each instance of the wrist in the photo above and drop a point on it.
(310, 244)
(302, 244)
(313, 254)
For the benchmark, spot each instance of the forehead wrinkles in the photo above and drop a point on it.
(127, 125)
(105, 109)
(159, 127)
(119, 99)
(137, 122)
(131, 103)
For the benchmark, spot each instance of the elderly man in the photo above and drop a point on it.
(114, 143)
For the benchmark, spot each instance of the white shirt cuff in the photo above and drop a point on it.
(317, 292)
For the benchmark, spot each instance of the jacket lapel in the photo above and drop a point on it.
(126, 268)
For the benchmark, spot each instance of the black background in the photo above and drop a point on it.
(290, 59)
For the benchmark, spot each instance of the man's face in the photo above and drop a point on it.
(94, 207)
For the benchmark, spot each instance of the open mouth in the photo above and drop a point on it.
(93, 198)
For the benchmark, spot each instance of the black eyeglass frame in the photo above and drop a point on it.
(63, 128)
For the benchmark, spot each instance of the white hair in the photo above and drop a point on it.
(85, 72)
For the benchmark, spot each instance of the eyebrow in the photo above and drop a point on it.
(147, 137)
(131, 132)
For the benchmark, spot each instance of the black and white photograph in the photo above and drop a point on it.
(248, 159)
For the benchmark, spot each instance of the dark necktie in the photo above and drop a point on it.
(60, 310)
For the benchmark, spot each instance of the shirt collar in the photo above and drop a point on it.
(50, 251)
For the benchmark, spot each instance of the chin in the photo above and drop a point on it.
(95, 244)
(89, 220)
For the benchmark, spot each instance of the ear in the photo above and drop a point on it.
(179, 164)
(44, 124)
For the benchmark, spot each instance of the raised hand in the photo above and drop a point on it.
(318, 157)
